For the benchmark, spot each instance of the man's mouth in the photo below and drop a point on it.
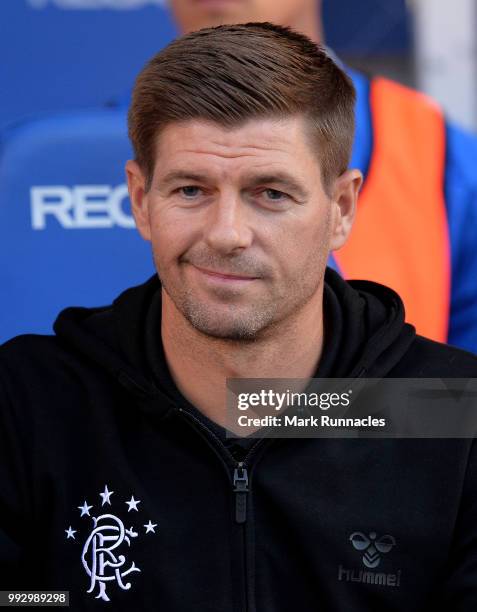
(224, 276)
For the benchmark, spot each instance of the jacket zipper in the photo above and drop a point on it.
(240, 477)
(240, 474)
(241, 489)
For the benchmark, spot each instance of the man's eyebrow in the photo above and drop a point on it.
(282, 179)
(182, 175)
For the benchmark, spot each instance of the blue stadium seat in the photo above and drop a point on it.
(66, 233)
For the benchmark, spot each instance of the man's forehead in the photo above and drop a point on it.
(263, 138)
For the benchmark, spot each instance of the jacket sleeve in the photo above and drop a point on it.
(460, 583)
(15, 520)
(461, 200)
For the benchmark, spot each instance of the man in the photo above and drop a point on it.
(118, 482)
(419, 201)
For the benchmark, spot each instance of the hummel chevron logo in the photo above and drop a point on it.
(373, 548)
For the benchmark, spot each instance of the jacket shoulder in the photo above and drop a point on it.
(426, 358)
(29, 358)
(26, 345)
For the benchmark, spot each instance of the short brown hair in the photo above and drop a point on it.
(233, 73)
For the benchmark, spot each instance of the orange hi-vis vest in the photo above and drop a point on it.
(400, 236)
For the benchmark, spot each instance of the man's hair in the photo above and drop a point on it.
(234, 73)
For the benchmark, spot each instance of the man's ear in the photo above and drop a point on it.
(138, 197)
(344, 198)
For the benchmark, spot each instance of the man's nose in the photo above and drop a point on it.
(228, 225)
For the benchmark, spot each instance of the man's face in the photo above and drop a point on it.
(240, 223)
(196, 14)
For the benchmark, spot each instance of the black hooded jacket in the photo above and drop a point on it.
(114, 488)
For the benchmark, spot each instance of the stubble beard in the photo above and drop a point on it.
(245, 323)
(226, 321)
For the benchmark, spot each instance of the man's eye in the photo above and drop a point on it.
(275, 195)
(190, 191)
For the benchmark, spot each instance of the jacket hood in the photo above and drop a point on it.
(367, 321)
(365, 332)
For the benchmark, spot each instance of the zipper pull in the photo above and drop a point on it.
(240, 490)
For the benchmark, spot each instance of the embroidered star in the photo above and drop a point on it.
(150, 527)
(70, 533)
(85, 509)
(132, 503)
(106, 495)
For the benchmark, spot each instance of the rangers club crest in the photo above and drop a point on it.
(107, 555)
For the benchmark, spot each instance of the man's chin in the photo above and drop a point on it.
(226, 321)
(237, 327)
(233, 331)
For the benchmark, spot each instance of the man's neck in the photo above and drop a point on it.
(200, 365)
